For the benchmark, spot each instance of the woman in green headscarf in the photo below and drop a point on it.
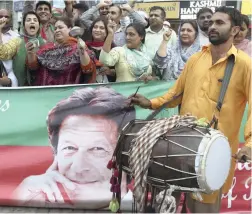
(16, 48)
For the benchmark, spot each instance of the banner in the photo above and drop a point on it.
(239, 197)
(55, 143)
(171, 8)
(246, 7)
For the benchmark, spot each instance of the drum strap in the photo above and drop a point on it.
(224, 86)
(225, 82)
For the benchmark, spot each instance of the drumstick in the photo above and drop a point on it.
(125, 113)
(136, 92)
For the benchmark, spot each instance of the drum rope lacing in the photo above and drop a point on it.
(140, 152)
(128, 170)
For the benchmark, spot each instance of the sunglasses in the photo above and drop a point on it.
(7, 17)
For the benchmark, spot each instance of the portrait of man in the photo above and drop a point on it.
(83, 131)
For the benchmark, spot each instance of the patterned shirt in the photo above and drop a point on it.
(6, 37)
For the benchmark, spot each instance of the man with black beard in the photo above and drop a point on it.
(203, 17)
(197, 91)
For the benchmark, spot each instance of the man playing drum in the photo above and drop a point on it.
(197, 90)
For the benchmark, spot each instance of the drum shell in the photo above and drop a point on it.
(185, 136)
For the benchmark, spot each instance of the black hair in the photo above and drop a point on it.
(115, 5)
(163, 13)
(191, 22)
(100, 101)
(99, 19)
(44, 3)
(30, 13)
(67, 21)
(82, 6)
(140, 29)
(234, 15)
(204, 10)
(246, 20)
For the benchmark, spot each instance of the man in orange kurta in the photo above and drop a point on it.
(200, 84)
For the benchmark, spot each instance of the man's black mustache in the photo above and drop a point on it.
(213, 31)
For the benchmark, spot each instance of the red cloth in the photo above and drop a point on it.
(60, 65)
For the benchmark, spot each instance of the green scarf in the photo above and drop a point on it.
(138, 60)
(19, 62)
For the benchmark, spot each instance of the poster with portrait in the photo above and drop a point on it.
(56, 142)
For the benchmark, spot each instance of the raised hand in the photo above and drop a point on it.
(2, 23)
(111, 26)
(167, 34)
(126, 7)
(104, 3)
(81, 45)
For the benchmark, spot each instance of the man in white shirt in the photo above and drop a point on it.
(154, 34)
(6, 34)
(203, 17)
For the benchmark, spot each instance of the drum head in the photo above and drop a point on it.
(215, 164)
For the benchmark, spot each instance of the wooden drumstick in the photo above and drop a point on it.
(129, 106)
(136, 91)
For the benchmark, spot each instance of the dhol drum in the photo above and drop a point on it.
(186, 156)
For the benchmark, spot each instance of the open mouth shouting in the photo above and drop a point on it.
(31, 24)
(32, 29)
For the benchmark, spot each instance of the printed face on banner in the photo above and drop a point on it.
(83, 132)
(85, 145)
(79, 174)
(61, 161)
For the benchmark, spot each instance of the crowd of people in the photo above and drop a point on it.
(198, 89)
(116, 44)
